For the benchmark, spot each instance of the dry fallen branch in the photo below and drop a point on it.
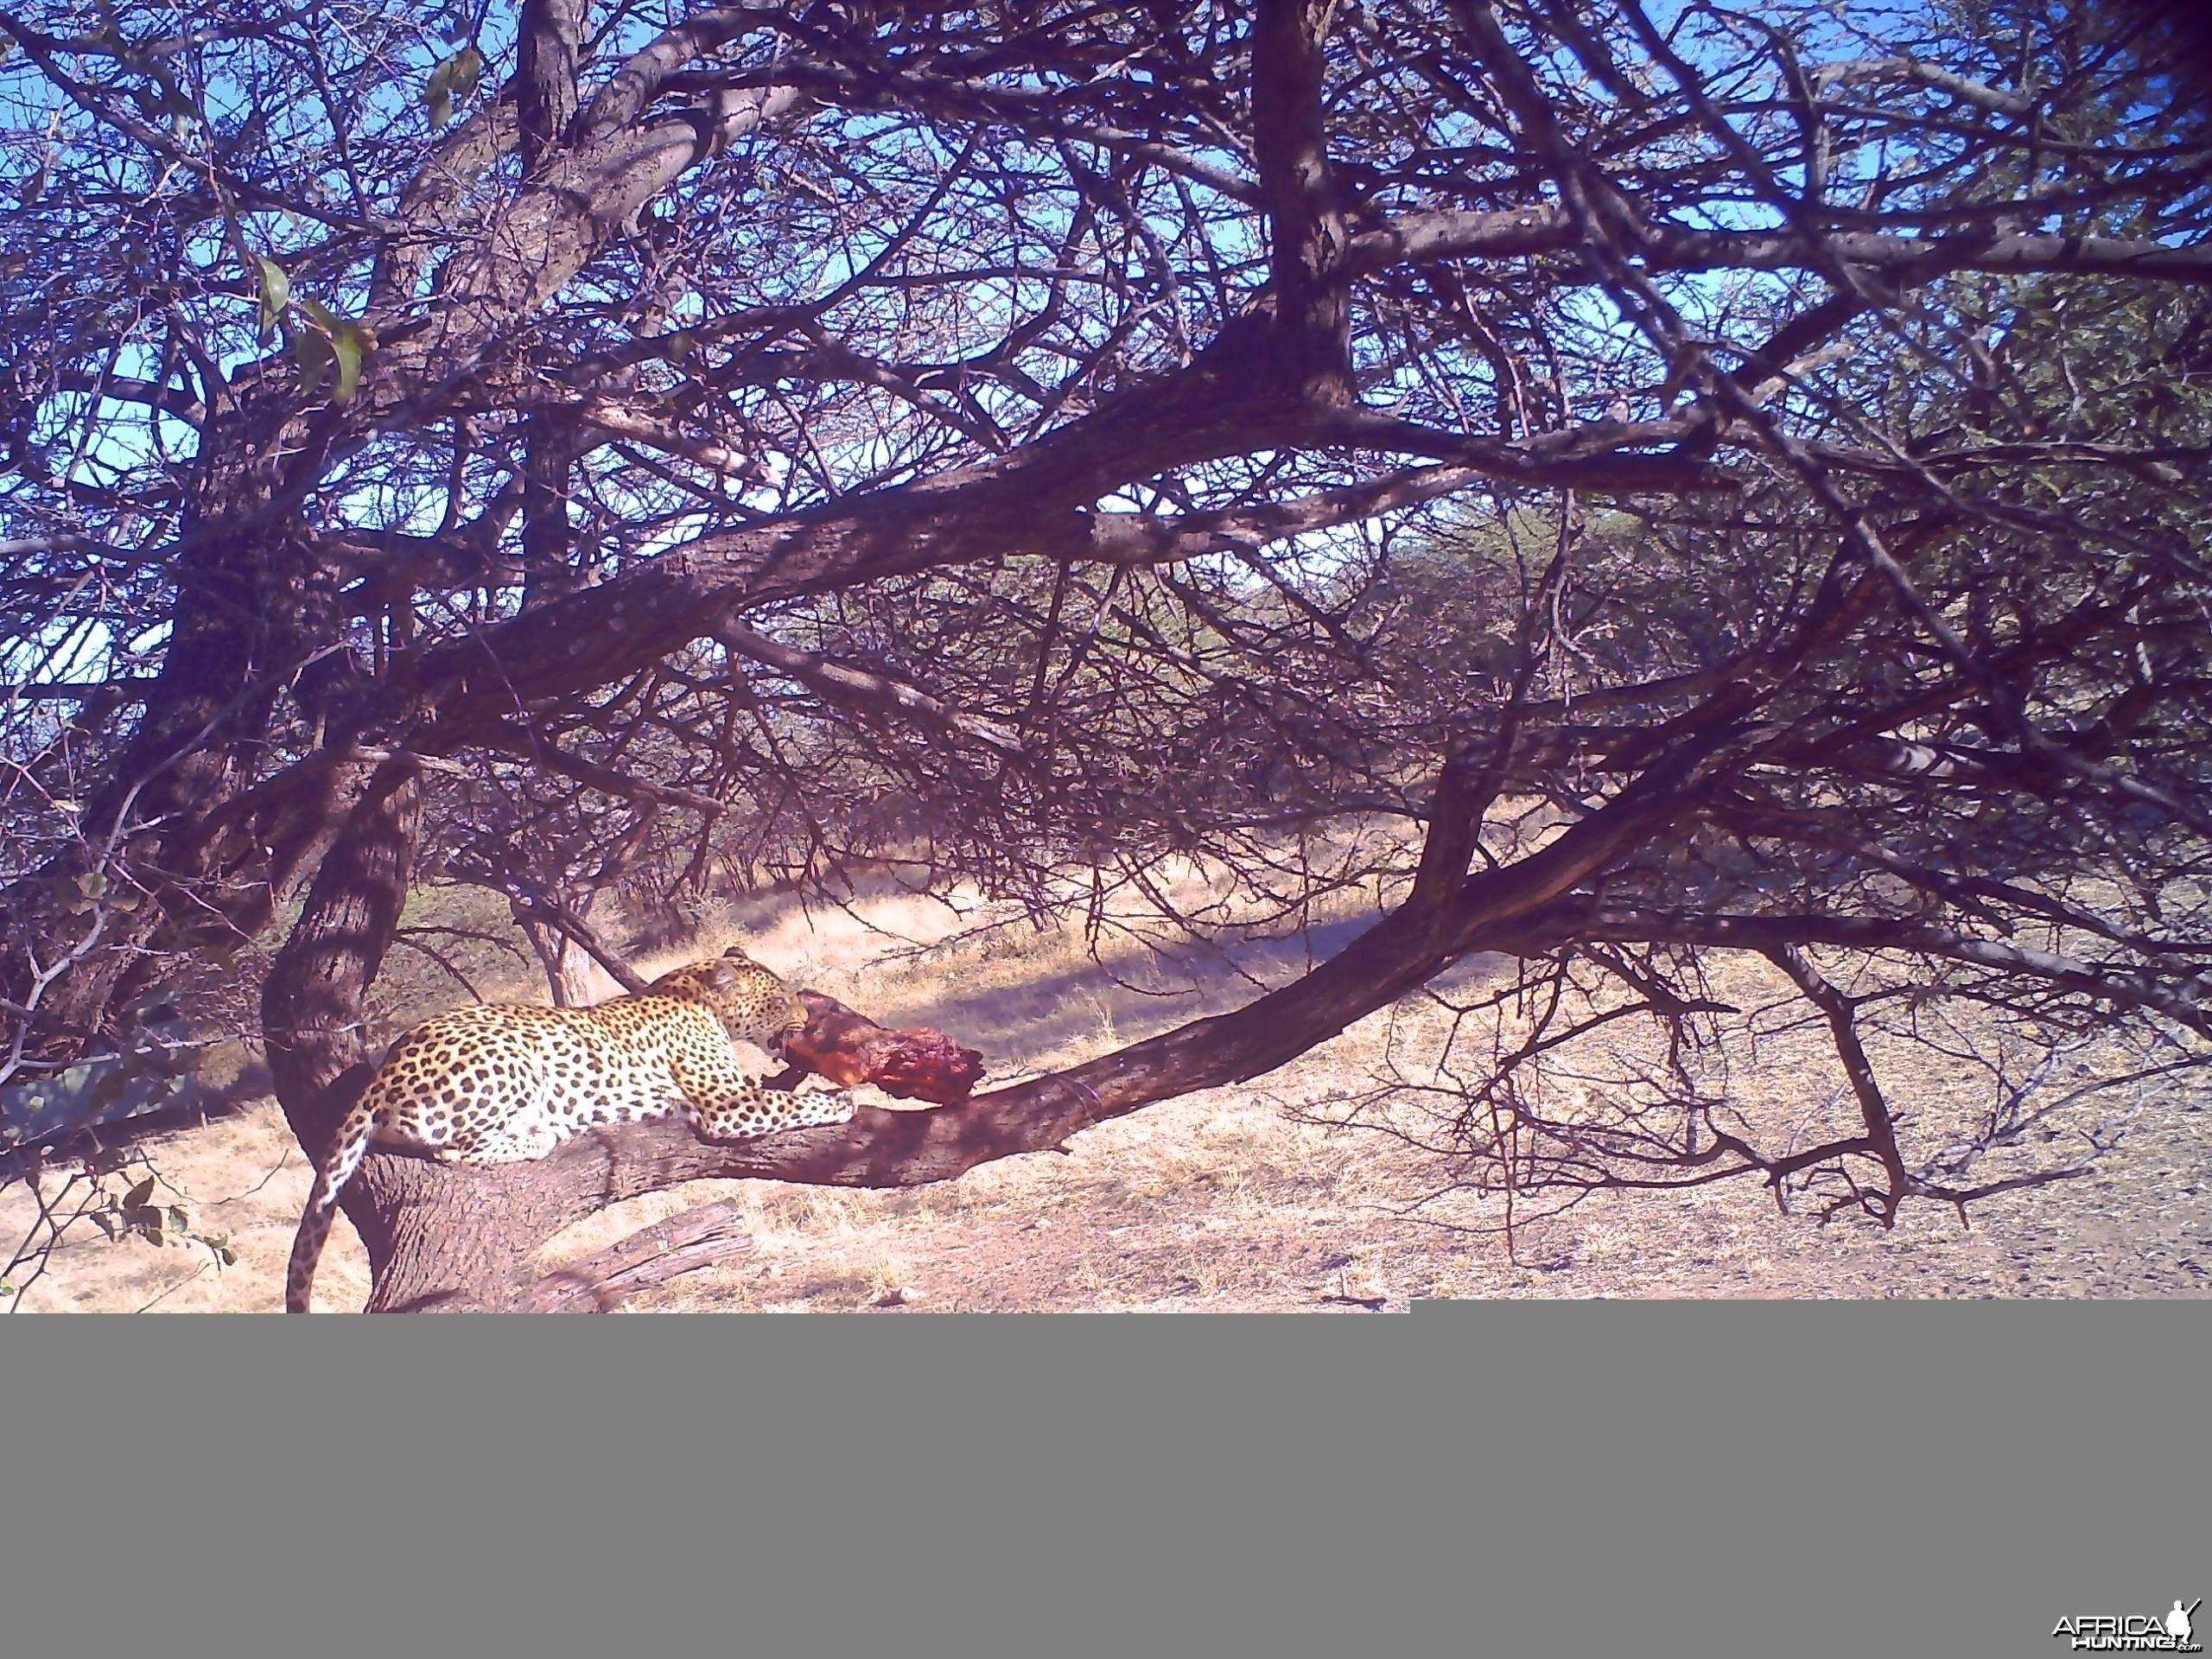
(651, 1256)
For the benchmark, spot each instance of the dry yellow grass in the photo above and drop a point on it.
(1217, 1201)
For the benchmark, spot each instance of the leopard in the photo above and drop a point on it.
(499, 1082)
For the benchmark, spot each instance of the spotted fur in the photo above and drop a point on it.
(495, 1084)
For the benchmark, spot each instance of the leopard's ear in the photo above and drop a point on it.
(735, 952)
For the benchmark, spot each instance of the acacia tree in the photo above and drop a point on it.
(1729, 480)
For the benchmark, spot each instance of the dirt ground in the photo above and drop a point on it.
(1218, 1202)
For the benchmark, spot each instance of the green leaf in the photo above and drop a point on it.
(351, 348)
(139, 1196)
(454, 77)
(313, 351)
(467, 70)
(333, 340)
(276, 289)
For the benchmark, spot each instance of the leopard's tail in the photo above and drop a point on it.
(338, 1166)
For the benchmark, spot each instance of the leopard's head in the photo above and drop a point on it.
(752, 1004)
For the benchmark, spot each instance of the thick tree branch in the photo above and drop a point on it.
(550, 33)
(616, 628)
(1420, 238)
(1307, 236)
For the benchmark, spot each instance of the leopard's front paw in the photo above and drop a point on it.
(829, 1106)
